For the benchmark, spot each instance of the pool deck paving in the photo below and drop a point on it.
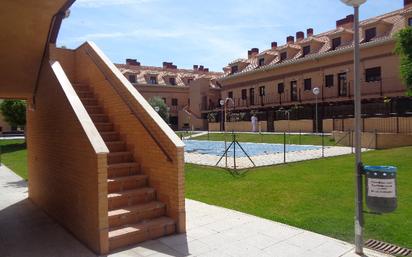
(26, 231)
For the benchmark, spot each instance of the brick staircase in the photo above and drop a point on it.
(134, 213)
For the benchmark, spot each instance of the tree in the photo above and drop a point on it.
(404, 50)
(163, 110)
(14, 112)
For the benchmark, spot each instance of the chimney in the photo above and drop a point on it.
(252, 52)
(407, 3)
(132, 62)
(169, 65)
(300, 36)
(249, 54)
(346, 23)
(309, 32)
(195, 67)
(274, 45)
(290, 40)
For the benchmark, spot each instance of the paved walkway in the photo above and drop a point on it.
(25, 231)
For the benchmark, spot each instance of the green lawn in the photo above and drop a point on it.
(270, 138)
(317, 195)
(14, 156)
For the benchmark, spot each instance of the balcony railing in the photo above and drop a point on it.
(384, 87)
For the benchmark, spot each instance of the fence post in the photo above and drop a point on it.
(323, 144)
(208, 136)
(351, 140)
(300, 136)
(376, 139)
(234, 151)
(284, 147)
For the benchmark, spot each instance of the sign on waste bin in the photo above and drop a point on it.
(381, 191)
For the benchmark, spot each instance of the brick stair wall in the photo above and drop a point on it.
(134, 214)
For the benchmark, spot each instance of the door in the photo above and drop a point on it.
(342, 84)
(252, 96)
(293, 91)
(174, 122)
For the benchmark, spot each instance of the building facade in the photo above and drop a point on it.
(182, 90)
(278, 83)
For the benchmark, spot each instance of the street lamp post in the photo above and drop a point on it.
(358, 170)
(316, 92)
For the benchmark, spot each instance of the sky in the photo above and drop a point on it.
(210, 33)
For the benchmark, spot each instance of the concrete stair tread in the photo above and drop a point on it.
(139, 227)
(131, 192)
(122, 165)
(124, 178)
(136, 208)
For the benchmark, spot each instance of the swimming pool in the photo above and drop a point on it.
(253, 149)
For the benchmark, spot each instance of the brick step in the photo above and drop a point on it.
(104, 126)
(119, 184)
(99, 117)
(93, 109)
(131, 197)
(79, 87)
(110, 136)
(136, 213)
(115, 146)
(136, 233)
(119, 157)
(85, 94)
(89, 101)
(123, 169)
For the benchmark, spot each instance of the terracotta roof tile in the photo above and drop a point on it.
(394, 20)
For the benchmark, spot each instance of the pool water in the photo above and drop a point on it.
(252, 149)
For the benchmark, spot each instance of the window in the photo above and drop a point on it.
(281, 88)
(329, 80)
(261, 62)
(370, 34)
(174, 101)
(230, 94)
(132, 78)
(373, 74)
(172, 81)
(307, 84)
(342, 84)
(234, 69)
(262, 90)
(152, 80)
(410, 21)
(244, 94)
(293, 90)
(306, 50)
(164, 99)
(283, 56)
(336, 42)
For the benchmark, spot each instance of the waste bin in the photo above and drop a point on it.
(381, 188)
